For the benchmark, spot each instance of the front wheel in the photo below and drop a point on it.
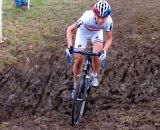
(79, 100)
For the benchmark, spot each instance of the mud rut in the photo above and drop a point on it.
(36, 93)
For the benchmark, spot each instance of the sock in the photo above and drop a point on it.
(74, 87)
(94, 74)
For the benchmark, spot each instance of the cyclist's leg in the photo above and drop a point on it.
(80, 44)
(78, 61)
(97, 41)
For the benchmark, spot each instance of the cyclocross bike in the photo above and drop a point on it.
(83, 86)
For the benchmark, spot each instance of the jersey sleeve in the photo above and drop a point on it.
(109, 25)
(82, 20)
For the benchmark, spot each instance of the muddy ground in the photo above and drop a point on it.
(35, 94)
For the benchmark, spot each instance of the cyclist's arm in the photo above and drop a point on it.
(108, 41)
(70, 31)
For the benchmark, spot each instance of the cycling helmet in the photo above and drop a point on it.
(102, 8)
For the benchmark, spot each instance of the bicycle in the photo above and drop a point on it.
(83, 86)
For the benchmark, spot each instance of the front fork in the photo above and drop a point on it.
(86, 83)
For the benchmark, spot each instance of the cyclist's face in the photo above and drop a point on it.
(100, 20)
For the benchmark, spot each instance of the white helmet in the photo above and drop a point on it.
(102, 8)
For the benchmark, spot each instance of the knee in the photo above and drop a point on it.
(96, 58)
(78, 61)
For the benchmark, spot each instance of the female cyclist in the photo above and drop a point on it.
(91, 25)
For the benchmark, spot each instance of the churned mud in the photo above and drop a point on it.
(35, 94)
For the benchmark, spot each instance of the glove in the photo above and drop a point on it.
(69, 50)
(103, 64)
(102, 55)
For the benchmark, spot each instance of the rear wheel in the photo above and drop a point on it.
(79, 99)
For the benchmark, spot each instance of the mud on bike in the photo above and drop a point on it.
(83, 85)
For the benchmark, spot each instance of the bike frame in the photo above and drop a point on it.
(83, 86)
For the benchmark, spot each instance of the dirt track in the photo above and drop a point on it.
(35, 95)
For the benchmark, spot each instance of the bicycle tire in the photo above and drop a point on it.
(79, 101)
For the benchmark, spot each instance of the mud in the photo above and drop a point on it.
(35, 94)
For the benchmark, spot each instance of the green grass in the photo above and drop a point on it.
(49, 18)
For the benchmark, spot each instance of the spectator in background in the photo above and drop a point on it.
(21, 3)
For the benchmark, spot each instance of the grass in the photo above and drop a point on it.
(48, 18)
(16, 31)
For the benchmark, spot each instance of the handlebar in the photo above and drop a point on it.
(85, 52)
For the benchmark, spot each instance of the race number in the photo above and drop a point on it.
(79, 22)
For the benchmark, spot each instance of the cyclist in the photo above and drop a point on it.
(90, 26)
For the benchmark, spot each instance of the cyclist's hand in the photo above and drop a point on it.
(102, 55)
(69, 50)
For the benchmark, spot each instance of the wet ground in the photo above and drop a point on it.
(35, 94)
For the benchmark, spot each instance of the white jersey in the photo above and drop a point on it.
(88, 23)
(89, 29)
